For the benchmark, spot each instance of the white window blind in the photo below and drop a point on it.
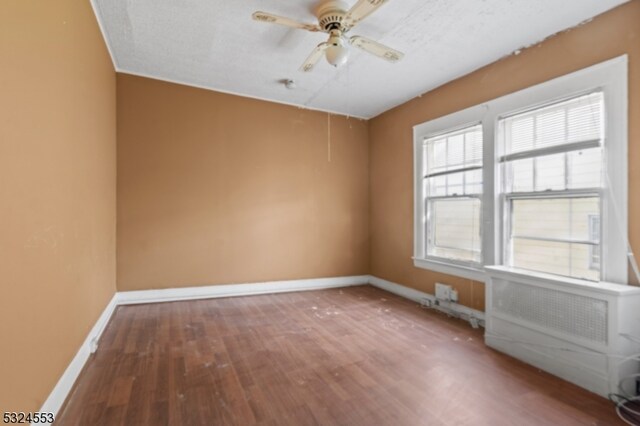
(552, 171)
(453, 182)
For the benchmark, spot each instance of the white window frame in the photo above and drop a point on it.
(508, 197)
(451, 123)
(610, 77)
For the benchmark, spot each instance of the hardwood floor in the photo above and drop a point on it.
(351, 356)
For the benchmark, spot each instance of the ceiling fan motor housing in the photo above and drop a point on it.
(330, 15)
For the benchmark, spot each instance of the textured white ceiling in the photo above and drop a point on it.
(215, 44)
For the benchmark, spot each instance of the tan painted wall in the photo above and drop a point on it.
(57, 186)
(216, 189)
(609, 35)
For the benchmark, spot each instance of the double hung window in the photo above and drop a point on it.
(552, 184)
(534, 181)
(453, 182)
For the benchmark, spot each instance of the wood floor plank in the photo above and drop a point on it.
(352, 356)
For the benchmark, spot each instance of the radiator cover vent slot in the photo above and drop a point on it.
(569, 313)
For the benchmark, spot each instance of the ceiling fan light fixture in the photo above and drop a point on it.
(337, 53)
(336, 19)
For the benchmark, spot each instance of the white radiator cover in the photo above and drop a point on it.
(569, 328)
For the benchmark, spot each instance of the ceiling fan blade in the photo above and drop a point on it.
(376, 48)
(275, 19)
(361, 10)
(314, 57)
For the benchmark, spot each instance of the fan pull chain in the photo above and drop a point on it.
(328, 137)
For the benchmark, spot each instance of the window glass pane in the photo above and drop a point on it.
(520, 134)
(461, 183)
(573, 170)
(584, 121)
(437, 156)
(454, 184)
(564, 218)
(455, 229)
(560, 258)
(582, 212)
(437, 186)
(473, 182)
(453, 151)
(521, 173)
(473, 146)
(550, 128)
(564, 242)
(526, 218)
(575, 120)
(585, 168)
(550, 172)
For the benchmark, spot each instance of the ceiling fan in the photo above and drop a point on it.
(336, 19)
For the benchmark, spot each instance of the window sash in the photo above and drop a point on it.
(451, 172)
(564, 193)
(430, 229)
(595, 247)
(557, 149)
(467, 157)
(562, 130)
(556, 240)
(545, 185)
(465, 186)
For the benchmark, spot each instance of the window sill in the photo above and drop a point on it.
(476, 274)
(534, 278)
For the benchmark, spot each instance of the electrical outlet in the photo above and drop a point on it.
(453, 295)
(443, 292)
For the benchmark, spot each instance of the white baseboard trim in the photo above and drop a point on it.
(65, 384)
(61, 390)
(420, 297)
(231, 290)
